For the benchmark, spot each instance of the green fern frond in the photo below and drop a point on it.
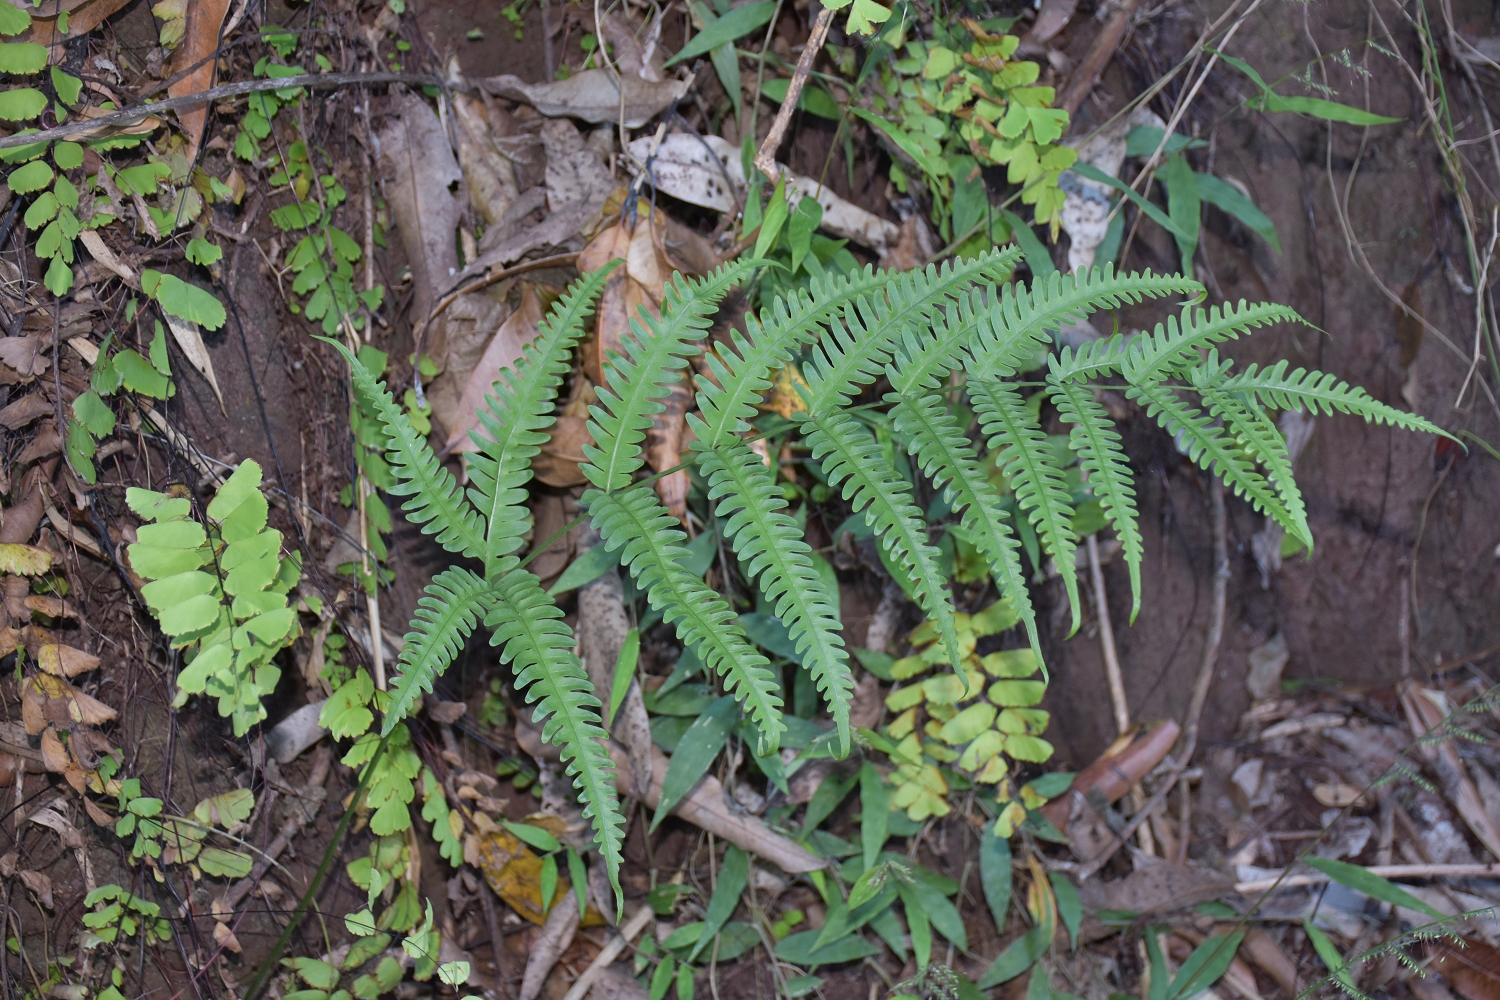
(655, 355)
(1257, 435)
(515, 417)
(854, 463)
(770, 546)
(653, 549)
(951, 462)
(531, 632)
(726, 402)
(1097, 444)
(1153, 357)
(1038, 483)
(437, 502)
(1024, 317)
(454, 601)
(1320, 392)
(1211, 448)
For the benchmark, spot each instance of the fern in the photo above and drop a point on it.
(1318, 392)
(437, 503)
(931, 334)
(653, 547)
(454, 601)
(1038, 483)
(1097, 444)
(514, 419)
(529, 628)
(852, 459)
(949, 459)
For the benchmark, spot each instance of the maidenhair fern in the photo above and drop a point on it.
(931, 335)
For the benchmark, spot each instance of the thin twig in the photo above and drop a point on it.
(609, 953)
(130, 116)
(1282, 880)
(765, 159)
(1107, 640)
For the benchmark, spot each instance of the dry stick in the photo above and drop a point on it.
(765, 159)
(504, 973)
(1107, 640)
(1281, 880)
(1200, 689)
(609, 953)
(1099, 54)
(133, 115)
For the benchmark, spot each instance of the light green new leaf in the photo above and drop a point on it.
(534, 836)
(22, 58)
(630, 651)
(1330, 955)
(220, 863)
(32, 177)
(13, 21)
(183, 300)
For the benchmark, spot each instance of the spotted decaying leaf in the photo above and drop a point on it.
(514, 870)
(24, 560)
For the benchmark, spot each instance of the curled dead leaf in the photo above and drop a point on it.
(65, 661)
(54, 754)
(52, 607)
(504, 351)
(39, 884)
(592, 96)
(224, 938)
(446, 711)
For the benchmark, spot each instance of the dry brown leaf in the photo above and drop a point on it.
(591, 96)
(195, 58)
(8, 863)
(575, 173)
(191, 341)
(39, 884)
(52, 607)
(1159, 887)
(548, 946)
(602, 628)
(24, 410)
(1260, 948)
(224, 938)
(65, 661)
(1473, 970)
(504, 351)
(515, 873)
(636, 47)
(1425, 715)
(489, 176)
(664, 447)
(784, 398)
(1408, 326)
(22, 353)
(54, 820)
(99, 816)
(550, 514)
(414, 149)
(54, 754)
(83, 16)
(89, 710)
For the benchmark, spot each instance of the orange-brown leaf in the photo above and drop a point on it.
(196, 58)
(503, 351)
(1473, 970)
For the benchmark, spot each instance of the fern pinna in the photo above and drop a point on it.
(932, 335)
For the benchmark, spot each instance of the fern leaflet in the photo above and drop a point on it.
(1097, 444)
(1024, 316)
(655, 355)
(1152, 357)
(454, 601)
(1211, 449)
(852, 460)
(770, 546)
(1026, 461)
(437, 503)
(515, 417)
(529, 628)
(950, 461)
(653, 549)
(1321, 392)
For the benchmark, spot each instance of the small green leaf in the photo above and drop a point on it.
(1205, 965)
(1228, 199)
(21, 58)
(1329, 953)
(185, 301)
(695, 754)
(733, 877)
(139, 375)
(594, 563)
(1020, 955)
(995, 874)
(630, 651)
(220, 863)
(67, 155)
(1363, 880)
(33, 177)
(775, 218)
(579, 876)
(13, 21)
(67, 86)
(864, 15)
(740, 21)
(875, 806)
(200, 251)
(534, 836)
(1069, 907)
